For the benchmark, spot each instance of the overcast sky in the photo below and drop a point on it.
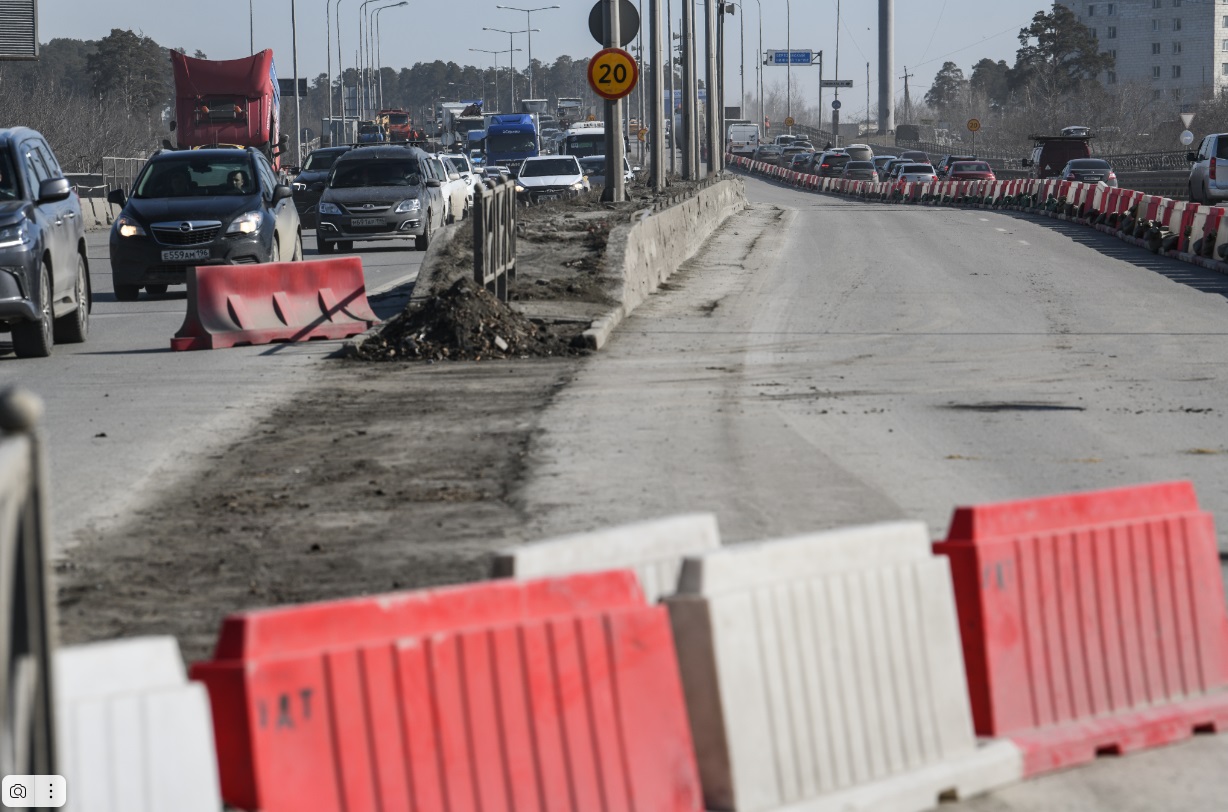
(927, 33)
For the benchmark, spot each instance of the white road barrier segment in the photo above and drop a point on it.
(825, 673)
(654, 549)
(134, 734)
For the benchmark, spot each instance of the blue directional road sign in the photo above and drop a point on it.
(790, 57)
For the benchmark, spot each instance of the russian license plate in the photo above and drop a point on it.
(182, 255)
(367, 221)
(547, 197)
(1092, 178)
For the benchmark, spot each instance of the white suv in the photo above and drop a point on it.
(550, 177)
(464, 167)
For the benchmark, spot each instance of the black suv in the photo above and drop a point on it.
(380, 193)
(309, 183)
(200, 207)
(44, 275)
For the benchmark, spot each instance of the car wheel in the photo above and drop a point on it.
(127, 293)
(156, 290)
(298, 248)
(34, 339)
(424, 242)
(276, 256)
(74, 328)
(324, 246)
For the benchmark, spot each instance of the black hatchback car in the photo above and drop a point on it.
(380, 193)
(200, 207)
(308, 185)
(44, 275)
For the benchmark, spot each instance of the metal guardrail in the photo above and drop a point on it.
(27, 720)
(120, 173)
(494, 235)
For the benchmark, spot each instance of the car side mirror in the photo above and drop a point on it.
(1192, 157)
(117, 197)
(281, 191)
(434, 184)
(53, 189)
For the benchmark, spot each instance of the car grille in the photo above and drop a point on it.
(366, 208)
(174, 234)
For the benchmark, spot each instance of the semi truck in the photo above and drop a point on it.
(458, 119)
(512, 138)
(229, 101)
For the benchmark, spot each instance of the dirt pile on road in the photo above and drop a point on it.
(467, 323)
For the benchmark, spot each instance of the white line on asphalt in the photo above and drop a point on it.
(394, 283)
(985, 220)
(1000, 229)
(1024, 242)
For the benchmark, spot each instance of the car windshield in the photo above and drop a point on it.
(511, 142)
(859, 165)
(398, 118)
(367, 129)
(358, 174)
(916, 169)
(193, 176)
(549, 168)
(970, 166)
(1089, 163)
(593, 165)
(459, 163)
(836, 160)
(321, 161)
(8, 180)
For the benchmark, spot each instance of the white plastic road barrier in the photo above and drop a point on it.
(134, 734)
(825, 673)
(654, 549)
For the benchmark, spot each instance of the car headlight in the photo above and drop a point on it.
(519, 189)
(128, 227)
(245, 223)
(18, 234)
(328, 208)
(578, 186)
(406, 206)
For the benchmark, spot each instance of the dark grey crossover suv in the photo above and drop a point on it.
(44, 275)
(380, 193)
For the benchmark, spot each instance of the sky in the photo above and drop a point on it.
(928, 32)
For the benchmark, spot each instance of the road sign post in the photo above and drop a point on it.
(974, 127)
(612, 84)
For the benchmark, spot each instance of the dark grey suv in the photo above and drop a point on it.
(44, 275)
(380, 193)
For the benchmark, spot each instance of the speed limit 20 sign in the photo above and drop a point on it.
(613, 74)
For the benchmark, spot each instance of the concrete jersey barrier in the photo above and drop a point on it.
(824, 673)
(654, 549)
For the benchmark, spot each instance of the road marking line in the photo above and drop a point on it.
(1024, 242)
(985, 220)
(393, 283)
(1000, 229)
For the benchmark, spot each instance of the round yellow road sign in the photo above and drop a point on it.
(789, 122)
(643, 133)
(613, 74)
(974, 125)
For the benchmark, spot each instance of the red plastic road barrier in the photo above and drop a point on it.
(1093, 622)
(230, 305)
(562, 693)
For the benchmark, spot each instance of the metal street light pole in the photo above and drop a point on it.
(511, 41)
(529, 20)
(789, 68)
(379, 62)
(673, 91)
(298, 113)
(496, 56)
(328, 53)
(362, 32)
(251, 22)
(759, 63)
(340, 67)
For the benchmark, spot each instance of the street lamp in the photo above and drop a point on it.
(362, 29)
(251, 24)
(789, 69)
(379, 62)
(496, 56)
(512, 48)
(529, 16)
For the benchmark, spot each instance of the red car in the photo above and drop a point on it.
(970, 170)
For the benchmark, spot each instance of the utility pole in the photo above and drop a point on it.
(690, 166)
(657, 130)
(673, 90)
(328, 53)
(886, 66)
(615, 181)
(907, 97)
(835, 114)
(298, 119)
(867, 97)
(715, 142)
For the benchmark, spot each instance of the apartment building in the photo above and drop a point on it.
(1179, 48)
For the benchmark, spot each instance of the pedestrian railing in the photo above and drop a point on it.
(120, 173)
(494, 235)
(27, 726)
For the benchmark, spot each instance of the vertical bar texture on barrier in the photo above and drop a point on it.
(494, 236)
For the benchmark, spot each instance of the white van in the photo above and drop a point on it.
(743, 139)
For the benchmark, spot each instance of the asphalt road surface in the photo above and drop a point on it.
(828, 362)
(124, 412)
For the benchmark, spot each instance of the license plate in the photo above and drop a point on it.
(1091, 178)
(180, 256)
(367, 221)
(547, 197)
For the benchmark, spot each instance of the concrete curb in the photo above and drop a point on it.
(645, 252)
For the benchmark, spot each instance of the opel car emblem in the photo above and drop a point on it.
(185, 227)
(368, 205)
